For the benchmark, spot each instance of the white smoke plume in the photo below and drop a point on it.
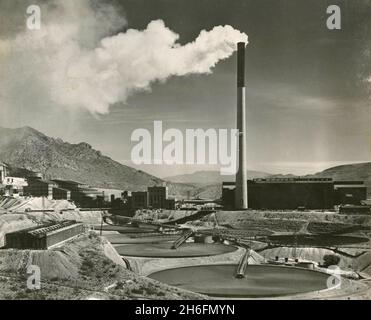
(65, 64)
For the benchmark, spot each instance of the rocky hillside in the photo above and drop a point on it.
(30, 149)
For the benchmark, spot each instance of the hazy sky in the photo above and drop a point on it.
(308, 97)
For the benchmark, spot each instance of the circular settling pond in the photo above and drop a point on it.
(127, 239)
(316, 240)
(163, 250)
(259, 281)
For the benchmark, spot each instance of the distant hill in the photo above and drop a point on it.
(357, 171)
(212, 192)
(32, 150)
(211, 177)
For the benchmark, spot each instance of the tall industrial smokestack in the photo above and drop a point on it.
(241, 201)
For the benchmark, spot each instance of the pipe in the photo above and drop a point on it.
(242, 265)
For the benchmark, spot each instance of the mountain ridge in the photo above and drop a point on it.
(30, 149)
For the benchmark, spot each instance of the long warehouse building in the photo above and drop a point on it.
(43, 237)
(294, 193)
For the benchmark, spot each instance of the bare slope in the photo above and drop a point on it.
(358, 171)
(26, 149)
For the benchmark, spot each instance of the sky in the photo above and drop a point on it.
(308, 94)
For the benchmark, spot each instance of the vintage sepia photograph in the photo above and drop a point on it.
(209, 150)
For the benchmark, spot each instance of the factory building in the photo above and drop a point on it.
(281, 194)
(127, 199)
(33, 184)
(349, 192)
(13, 186)
(79, 192)
(43, 237)
(61, 194)
(63, 189)
(228, 195)
(139, 200)
(37, 187)
(170, 204)
(109, 195)
(296, 193)
(157, 197)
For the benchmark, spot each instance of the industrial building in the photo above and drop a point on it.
(10, 185)
(349, 192)
(296, 193)
(139, 199)
(79, 192)
(109, 195)
(29, 183)
(280, 193)
(37, 187)
(43, 237)
(58, 189)
(316, 193)
(13, 186)
(157, 197)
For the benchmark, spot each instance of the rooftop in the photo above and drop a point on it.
(300, 180)
(296, 179)
(46, 228)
